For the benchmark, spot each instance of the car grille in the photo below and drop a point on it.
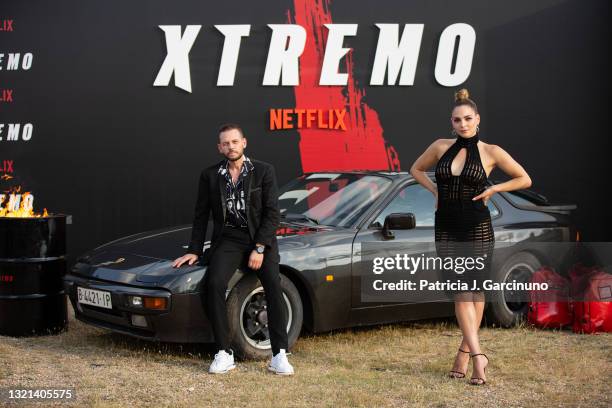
(115, 327)
(112, 312)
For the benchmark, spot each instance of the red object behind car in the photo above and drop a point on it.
(593, 312)
(550, 309)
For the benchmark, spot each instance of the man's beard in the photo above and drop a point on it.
(233, 159)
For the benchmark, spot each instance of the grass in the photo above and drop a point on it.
(392, 366)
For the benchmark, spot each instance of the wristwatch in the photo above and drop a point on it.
(260, 249)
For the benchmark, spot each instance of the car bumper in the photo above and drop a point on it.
(183, 321)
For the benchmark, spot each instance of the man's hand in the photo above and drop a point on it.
(189, 258)
(255, 260)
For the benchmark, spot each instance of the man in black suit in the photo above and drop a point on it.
(243, 198)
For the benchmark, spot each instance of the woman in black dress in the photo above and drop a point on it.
(463, 223)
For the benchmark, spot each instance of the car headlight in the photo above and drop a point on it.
(135, 301)
(148, 302)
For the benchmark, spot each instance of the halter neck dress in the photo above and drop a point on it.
(463, 226)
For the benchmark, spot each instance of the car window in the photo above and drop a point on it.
(337, 199)
(419, 201)
(412, 199)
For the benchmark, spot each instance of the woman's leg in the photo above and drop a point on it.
(468, 310)
(479, 363)
(462, 360)
(478, 302)
(466, 314)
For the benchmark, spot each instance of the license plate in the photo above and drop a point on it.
(93, 297)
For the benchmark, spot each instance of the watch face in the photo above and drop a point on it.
(260, 250)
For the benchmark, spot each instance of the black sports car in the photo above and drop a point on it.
(130, 287)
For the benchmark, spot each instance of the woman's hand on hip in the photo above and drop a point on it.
(485, 195)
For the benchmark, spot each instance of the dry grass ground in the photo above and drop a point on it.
(395, 366)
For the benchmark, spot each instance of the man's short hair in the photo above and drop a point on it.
(230, 126)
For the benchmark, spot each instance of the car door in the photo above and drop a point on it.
(370, 242)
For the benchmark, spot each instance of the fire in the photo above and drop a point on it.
(19, 205)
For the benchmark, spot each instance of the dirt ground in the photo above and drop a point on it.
(388, 366)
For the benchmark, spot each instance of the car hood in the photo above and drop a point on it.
(129, 269)
(170, 243)
(146, 258)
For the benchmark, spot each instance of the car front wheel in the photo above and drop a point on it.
(248, 317)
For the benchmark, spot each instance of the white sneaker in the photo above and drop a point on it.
(280, 365)
(222, 363)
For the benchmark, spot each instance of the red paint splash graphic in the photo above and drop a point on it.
(361, 146)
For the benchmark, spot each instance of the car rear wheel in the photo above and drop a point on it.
(507, 308)
(248, 320)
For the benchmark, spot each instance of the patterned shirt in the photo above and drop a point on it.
(235, 199)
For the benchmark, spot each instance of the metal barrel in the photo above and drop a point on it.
(32, 267)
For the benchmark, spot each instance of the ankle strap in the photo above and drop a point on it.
(479, 354)
(463, 351)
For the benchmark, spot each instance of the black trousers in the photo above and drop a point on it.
(233, 251)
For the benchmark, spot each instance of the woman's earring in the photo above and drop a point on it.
(477, 129)
(453, 132)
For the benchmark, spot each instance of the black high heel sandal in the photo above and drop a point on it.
(452, 373)
(479, 381)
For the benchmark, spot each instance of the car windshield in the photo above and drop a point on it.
(335, 199)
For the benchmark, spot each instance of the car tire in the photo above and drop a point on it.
(249, 339)
(501, 310)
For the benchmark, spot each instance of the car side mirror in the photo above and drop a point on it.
(397, 221)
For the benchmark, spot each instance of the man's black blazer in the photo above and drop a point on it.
(263, 216)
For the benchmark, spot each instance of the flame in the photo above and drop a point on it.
(26, 208)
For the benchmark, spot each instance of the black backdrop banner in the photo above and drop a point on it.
(92, 127)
